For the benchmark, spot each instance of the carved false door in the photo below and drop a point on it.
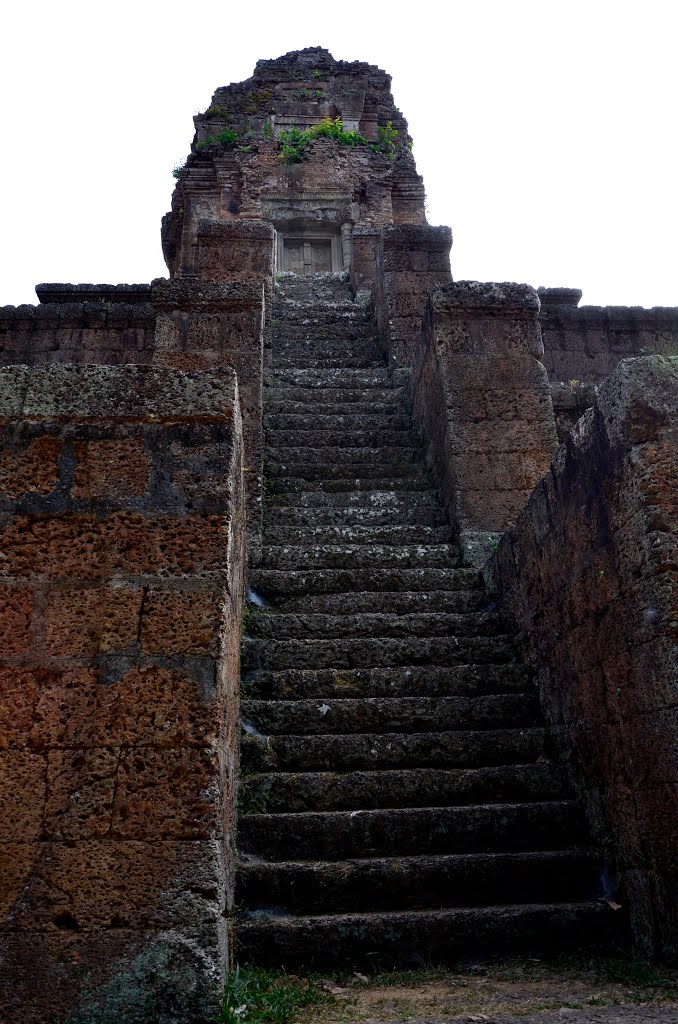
(307, 256)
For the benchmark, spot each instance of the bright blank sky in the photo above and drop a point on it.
(545, 132)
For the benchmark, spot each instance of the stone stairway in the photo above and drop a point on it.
(396, 803)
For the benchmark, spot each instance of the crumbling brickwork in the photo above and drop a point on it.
(120, 591)
(588, 574)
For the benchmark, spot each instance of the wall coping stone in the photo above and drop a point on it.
(114, 393)
(414, 236)
(131, 294)
(199, 295)
(487, 298)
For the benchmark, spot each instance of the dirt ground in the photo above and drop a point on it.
(484, 993)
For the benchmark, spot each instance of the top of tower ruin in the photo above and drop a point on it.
(314, 146)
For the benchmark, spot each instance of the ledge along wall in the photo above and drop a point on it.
(121, 512)
(583, 345)
(588, 575)
(186, 323)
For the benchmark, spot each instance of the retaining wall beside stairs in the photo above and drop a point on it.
(588, 574)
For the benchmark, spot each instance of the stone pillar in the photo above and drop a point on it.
(412, 260)
(120, 593)
(346, 246)
(481, 395)
(204, 324)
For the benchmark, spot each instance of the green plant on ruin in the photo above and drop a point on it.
(388, 136)
(253, 101)
(258, 996)
(316, 74)
(228, 138)
(267, 130)
(294, 142)
(176, 171)
(216, 111)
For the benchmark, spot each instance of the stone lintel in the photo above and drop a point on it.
(224, 230)
(559, 296)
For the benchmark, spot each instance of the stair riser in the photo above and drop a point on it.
(278, 515)
(357, 360)
(410, 470)
(287, 395)
(288, 792)
(418, 883)
(373, 653)
(393, 604)
(360, 556)
(351, 380)
(421, 939)
(274, 582)
(427, 680)
(279, 626)
(284, 440)
(317, 482)
(427, 830)
(281, 457)
(459, 749)
(390, 534)
(331, 415)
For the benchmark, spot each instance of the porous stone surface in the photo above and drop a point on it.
(588, 574)
(396, 797)
(121, 560)
(481, 396)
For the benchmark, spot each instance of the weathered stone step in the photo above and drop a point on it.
(332, 378)
(324, 471)
(293, 517)
(359, 508)
(375, 652)
(405, 681)
(329, 360)
(314, 439)
(416, 883)
(396, 604)
(390, 534)
(277, 582)
(287, 396)
(333, 416)
(460, 748)
(361, 556)
(276, 625)
(284, 460)
(369, 480)
(425, 936)
(483, 828)
(317, 313)
(390, 714)
(285, 792)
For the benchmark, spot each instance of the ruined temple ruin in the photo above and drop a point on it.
(415, 535)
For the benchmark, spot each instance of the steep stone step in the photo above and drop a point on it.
(387, 534)
(275, 625)
(456, 749)
(405, 510)
(425, 936)
(396, 604)
(283, 460)
(278, 582)
(340, 835)
(283, 440)
(360, 556)
(326, 472)
(405, 681)
(418, 883)
(328, 360)
(332, 378)
(285, 792)
(329, 286)
(283, 397)
(390, 714)
(335, 419)
(318, 480)
(372, 653)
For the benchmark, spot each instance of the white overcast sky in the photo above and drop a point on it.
(546, 132)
